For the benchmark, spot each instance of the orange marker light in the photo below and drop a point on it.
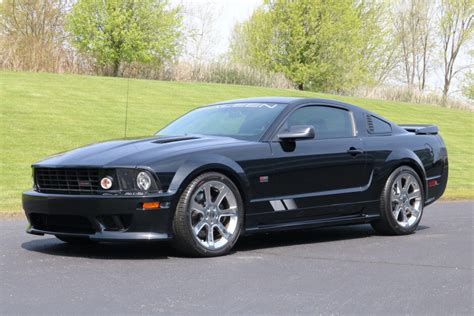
(150, 205)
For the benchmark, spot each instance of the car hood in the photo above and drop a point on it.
(135, 152)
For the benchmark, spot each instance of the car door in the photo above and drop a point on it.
(322, 176)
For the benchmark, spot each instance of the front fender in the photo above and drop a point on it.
(198, 164)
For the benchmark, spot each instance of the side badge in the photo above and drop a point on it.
(263, 179)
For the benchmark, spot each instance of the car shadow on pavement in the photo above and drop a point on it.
(309, 236)
(163, 250)
(124, 251)
(300, 237)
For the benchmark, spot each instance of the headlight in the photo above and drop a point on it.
(143, 181)
(136, 181)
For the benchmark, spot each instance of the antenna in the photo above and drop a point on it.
(126, 106)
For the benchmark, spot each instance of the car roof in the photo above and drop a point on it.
(292, 101)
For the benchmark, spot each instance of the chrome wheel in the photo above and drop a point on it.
(406, 200)
(214, 214)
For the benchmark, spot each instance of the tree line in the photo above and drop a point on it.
(340, 45)
(334, 46)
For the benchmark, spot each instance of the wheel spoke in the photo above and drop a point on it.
(231, 211)
(207, 194)
(413, 195)
(399, 185)
(404, 215)
(225, 234)
(195, 206)
(414, 211)
(406, 184)
(410, 183)
(395, 196)
(199, 226)
(210, 237)
(396, 213)
(222, 194)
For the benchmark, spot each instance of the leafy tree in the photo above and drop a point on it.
(318, 44)
(413, 31)
(457, 29)
(118, 31)
(468, 89)
(31, 34)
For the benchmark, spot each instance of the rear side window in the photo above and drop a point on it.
(378, 126)
(328, 122)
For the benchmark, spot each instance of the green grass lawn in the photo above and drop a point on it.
(42, 114)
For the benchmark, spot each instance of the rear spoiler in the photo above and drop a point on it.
(420, 129)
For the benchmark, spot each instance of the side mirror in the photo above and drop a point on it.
(298, 132)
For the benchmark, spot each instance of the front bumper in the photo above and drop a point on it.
(99, 217)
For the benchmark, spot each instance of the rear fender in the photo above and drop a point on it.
(405, 157)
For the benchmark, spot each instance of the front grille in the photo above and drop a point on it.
(61, 223)
(68, 180)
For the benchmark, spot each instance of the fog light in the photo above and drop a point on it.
(149, 205)
(106, 183)
(143, 180)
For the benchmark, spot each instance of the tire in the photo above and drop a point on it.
(76, 240)
(209, 216)
(401, 203)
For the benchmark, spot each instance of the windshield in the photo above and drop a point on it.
(247, 121)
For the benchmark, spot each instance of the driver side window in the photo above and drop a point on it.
(328, 122)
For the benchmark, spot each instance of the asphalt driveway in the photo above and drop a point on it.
(347, 270)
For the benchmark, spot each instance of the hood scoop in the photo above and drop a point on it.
(166, 140)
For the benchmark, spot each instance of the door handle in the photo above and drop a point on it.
(354, 151)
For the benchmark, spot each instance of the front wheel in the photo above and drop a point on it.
(209, 216)
(401, 203)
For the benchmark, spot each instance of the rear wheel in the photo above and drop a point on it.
(209, 216)
(75, 240)
(401, 203)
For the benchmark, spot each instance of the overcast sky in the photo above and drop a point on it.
(228, 12)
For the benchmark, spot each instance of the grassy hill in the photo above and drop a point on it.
(42, 114)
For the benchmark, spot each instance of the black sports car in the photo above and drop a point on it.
(242, 167)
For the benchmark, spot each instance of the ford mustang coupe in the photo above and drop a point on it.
(242, 167)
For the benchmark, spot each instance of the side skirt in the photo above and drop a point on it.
(326, 222)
